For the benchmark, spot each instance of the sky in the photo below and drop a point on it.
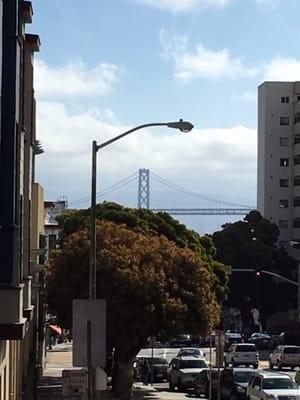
(107, 66)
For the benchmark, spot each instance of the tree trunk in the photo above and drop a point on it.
(122, 380)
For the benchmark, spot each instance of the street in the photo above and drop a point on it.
(161, 390)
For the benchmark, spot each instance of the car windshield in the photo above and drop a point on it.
(278, 383)
(157, 360)
(192, 364)
(292, 350)
(245, 347)
(190, 352)
(243, 376)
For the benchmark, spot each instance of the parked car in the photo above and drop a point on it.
(181, 340)
(285, 356)
(232, 337)
(233, 383)
(160, 368)
(190, 351)
(201, 383)
(183, 371)
(272, 385)
(261, 340)
(241, 354)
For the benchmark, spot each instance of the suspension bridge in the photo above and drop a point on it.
(168, 192)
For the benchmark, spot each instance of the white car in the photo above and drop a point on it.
(285, 356)
(242, 354)
(272, 386)
(184, 370)
(190, 351)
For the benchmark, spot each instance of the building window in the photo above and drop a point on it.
(284, 203)
(284, 244)
(284, 162)
(283, 182)
(52, 242)
(297, 223)
(285, 99)
(284, 141)
(297, 181)
(297, 160)
(297, 140)
(283, 224)
(297, 202)
(297, 118)
(285, 121)
(298, 97)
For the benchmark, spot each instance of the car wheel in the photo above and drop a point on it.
(279, 366)
(270, 364)
(179, 386)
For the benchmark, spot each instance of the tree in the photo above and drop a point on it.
(252, 243)
(150, 285)
(146, 221)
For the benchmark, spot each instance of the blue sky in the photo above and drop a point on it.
(110, 65)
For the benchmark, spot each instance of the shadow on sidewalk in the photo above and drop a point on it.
(49, 388)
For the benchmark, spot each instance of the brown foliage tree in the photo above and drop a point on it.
(149, 283)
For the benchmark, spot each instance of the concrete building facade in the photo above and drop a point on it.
(18, 146)
(278, 185)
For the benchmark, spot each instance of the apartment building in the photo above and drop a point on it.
(18, 147)
(278, 190)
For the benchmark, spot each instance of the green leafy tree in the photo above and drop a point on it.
(146, 221)
(252, 243)
(150, 285)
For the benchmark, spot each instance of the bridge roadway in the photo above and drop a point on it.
(204, 211)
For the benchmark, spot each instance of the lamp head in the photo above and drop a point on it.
(183, 126)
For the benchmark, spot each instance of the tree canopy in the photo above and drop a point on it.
(146, 221)
(252, 243)
(150, 285)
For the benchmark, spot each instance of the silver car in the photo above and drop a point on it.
(184, 370)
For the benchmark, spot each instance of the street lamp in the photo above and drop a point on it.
(183, 126)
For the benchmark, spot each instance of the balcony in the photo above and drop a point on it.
(12, 323)
(296, 169)
(297, 107)
(296, 190)
(297, 126)
(297, 149)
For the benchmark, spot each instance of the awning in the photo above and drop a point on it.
(55, 329)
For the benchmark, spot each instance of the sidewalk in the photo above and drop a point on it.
(50, 385)
(59, 358)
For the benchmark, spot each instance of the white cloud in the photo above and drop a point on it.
(74, 79)
(282, 69)
(203, 62)
(249, 95)
(219, 158)
(184, 5)
(272, 3)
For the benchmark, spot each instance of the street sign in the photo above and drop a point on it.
(94, 312)
(74, 381)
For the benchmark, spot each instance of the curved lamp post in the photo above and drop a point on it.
(183, 126)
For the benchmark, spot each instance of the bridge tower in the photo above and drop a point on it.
(144, 188)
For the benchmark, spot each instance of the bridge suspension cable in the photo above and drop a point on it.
(109, 189)
(174, 186)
